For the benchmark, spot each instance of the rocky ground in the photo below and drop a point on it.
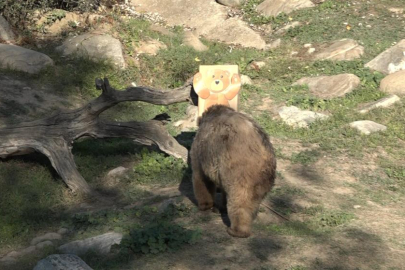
(324, 78)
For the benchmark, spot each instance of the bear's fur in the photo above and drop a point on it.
(231, 152)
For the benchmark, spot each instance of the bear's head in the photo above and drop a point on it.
(218, 80)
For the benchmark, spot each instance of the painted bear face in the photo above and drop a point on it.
(218, 80)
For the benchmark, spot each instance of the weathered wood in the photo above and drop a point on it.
(54, 135)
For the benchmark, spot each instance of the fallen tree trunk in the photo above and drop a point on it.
(54, 136)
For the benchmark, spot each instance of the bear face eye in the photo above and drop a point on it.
(222, 76)
(213, 76)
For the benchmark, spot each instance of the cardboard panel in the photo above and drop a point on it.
(217, 84)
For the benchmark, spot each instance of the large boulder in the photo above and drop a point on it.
(275, 7)
(328, 87)
(207, 17)
(95, 46)
(6, 34)
(19, 58)
(344, 49)
(390, 60)
(394, 83)
(62, 262)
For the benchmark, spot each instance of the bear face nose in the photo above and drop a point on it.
(217, 82)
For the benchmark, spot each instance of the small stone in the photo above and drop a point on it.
(390, 60)
(381, 103)
(133, 84)
(62, 262)
(45, 237)
(296, 117)
(44, 244)
(311, 50)
(394, 83)
(308, 45)
(356, 206)
(245, 80)
(117, 172)
(275, 7)
(344, 49)
(396, 10)
(100, 244)
(367, 127)
(328, 87)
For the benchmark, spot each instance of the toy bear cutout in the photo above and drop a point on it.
(217, 84)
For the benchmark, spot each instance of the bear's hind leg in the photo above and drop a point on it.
(204, 190)
(241, 209)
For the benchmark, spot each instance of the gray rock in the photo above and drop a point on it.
(381, 103)
(117, 172)
(205, 16)
(100, 244)
(95, 46)
(394, 83)
(296, 117)
(22, 59)
(275, 7)
(45, 237)
(6, 34)
(193, 41)
(367, 127)
(390, 60)
(231, 3)
(245, 79)
(62, 262)
(44, 244)
(328, 87)
(344, 49)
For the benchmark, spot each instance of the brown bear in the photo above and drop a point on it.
(218, 88)
(230, 151)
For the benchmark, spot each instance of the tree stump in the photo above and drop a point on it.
(54, 136)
